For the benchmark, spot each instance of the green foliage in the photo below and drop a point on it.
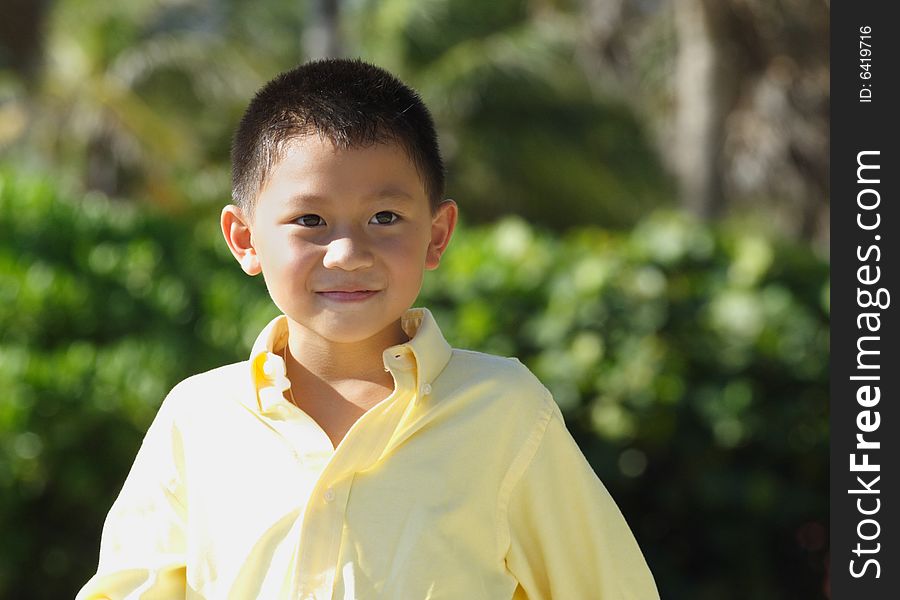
(691, 363)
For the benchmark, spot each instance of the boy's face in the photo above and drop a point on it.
(342, 237)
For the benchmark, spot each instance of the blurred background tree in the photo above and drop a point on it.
(737, 95)
(643, 184)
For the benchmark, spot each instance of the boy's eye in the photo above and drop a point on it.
(310, 220)
(385, 217)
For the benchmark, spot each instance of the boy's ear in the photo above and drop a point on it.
(442, 225)
(236, 229)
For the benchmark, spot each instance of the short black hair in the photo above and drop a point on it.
(350, 102)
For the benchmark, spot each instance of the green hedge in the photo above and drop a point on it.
(691, 363)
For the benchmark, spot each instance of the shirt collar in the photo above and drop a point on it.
(427, 353)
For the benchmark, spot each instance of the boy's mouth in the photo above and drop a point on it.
(348, 295)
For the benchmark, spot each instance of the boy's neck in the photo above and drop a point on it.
(311, 356)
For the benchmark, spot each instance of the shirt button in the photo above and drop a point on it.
(329, 495)
(425, 389)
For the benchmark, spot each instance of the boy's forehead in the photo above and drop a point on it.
(308, 162)
(325, 147)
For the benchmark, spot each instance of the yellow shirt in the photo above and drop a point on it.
(463, 484)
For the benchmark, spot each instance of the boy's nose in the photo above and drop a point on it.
(348, 254)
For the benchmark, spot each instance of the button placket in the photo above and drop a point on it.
(324, 519)
(322, 528)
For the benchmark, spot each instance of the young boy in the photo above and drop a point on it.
(356, 454)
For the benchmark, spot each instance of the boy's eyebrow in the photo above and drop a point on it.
(393, 192)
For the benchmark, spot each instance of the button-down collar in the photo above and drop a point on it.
(427, 353)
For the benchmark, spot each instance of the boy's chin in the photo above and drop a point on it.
(352, 329)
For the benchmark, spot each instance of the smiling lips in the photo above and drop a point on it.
(348, 296)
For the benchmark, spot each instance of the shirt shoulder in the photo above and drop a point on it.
(197, 394)
(504, 381)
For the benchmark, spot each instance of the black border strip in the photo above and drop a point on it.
(865, 562)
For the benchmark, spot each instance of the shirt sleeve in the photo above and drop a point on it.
(567, 537)
(142, 548)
